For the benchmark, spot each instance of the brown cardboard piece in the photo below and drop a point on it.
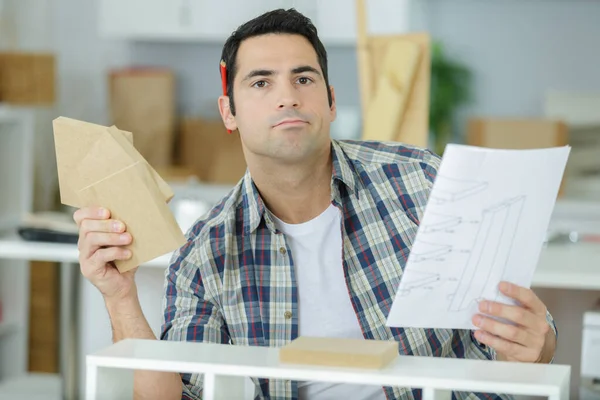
(395, 79)
(339, 352)
(99, 166)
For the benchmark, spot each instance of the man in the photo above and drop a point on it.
(312, 241)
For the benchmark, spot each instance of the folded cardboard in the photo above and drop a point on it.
(142, 101)
(339, 352)
(99, 166)
(27, 78)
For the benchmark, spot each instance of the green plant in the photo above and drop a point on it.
(450, 89)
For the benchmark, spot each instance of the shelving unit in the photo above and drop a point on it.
(16, 186)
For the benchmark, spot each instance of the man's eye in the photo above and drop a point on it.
(304, 80)
(260, 84)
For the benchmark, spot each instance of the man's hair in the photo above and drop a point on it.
(278, 21)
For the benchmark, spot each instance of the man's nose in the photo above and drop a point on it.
(288, 97)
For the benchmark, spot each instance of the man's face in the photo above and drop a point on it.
(281, 103)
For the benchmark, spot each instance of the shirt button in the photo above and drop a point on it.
(287, 314)
(282, 250)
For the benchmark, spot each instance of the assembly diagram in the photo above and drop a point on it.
(450, 189)
(490, 253)
(417, 280)
(425, 251)
(440, 222)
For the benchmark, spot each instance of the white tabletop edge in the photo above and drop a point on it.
(303, 373)
(184, 357)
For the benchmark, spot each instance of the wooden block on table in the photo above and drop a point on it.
(339, 352)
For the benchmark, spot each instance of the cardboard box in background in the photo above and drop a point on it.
(27, 79)
(212, 154)
(517, 133)
(505, 133)
(142, 101)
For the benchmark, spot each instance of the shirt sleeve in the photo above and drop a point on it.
(189, 312)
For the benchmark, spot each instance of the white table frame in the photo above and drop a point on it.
(226, 368)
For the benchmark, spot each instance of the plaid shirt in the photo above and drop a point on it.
(233, 282)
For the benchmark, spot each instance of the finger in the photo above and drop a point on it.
(101, 257)
(90, 213)
(524, 296)
(505, 331)
(506, 347)
(105, 225)
(96, 240)
(519, 315)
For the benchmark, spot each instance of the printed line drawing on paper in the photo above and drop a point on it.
(423, 251)
(450, 189)
(440, 222)
(497, 231)
(417, 280)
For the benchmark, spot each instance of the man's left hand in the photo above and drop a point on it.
(530, 339)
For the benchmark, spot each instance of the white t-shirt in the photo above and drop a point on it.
(323, 299)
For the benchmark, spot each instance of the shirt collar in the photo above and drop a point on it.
(343, 175)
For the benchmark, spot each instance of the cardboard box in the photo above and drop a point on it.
(142, 101)
(210, 152)
(27, 78)
(505, 133)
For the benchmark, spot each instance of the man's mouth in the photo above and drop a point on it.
(290, 122)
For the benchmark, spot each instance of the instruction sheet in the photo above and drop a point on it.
(485, 222)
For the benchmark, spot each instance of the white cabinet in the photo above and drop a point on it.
(209, 20)
(198, 20)
(139, 18)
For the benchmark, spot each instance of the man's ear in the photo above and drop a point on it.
(226, 115)
(333, 108)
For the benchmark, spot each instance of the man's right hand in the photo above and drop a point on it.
(101, 242)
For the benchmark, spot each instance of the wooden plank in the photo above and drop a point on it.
(392, 113)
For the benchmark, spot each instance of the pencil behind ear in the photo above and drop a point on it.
(224, 81)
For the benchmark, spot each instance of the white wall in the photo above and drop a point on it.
(519, 49)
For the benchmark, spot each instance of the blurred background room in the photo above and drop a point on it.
(494, 73)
